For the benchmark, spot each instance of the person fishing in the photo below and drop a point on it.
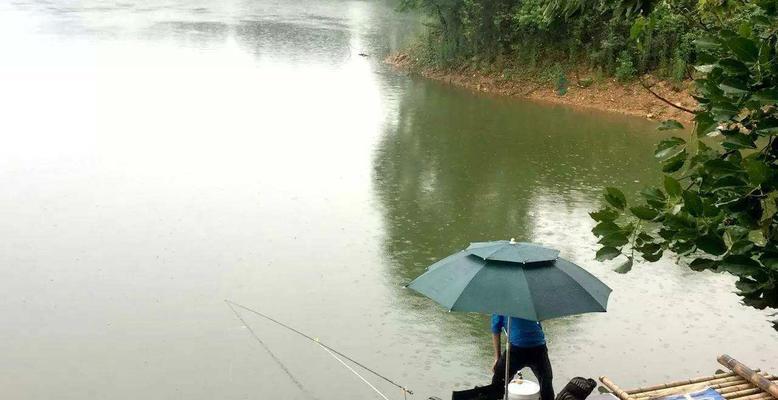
(528, 349)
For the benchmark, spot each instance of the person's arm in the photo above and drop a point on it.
(497, 347)
(496, 333)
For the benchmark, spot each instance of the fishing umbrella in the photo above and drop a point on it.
(514, 279)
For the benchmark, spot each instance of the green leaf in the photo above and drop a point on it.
(615, 198)
(625, 267)
(675, 162)
(757, 171)
(738, 141)
(705, 124)
(756, 237)
(615, 239)
(734, 87)
(748, 286)
(669, 147)
(767, 96)
(768, 127)
(711, 244)
(770, 261)
(607, 253)
(653, 257)
(741, 247)
(670, 124)
(724, 110)
(701, 264)
(733, 66)
(744, 49)
(606, 214)
(721, 167)
(605, 228)
(769, 208)
(739, 265)
(692, 203)
(707, 43)
(644, 213)
(654, 197)
(672, 186)
(682, 248)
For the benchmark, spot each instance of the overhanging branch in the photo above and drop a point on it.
(670, 103)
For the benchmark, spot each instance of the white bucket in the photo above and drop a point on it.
(522, 389)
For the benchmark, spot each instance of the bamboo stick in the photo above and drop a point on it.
(749, 374)
(741, 393)
(615, 389)
(723, 384)
(748, 385)
(715, 384)
(760, 396)
(680, 383)
(712, 381)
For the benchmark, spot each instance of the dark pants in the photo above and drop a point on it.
(534, 357)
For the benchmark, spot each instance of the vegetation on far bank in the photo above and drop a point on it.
(554, 39)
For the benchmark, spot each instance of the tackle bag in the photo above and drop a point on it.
(577, 389)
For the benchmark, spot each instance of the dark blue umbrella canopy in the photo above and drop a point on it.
(511, 278)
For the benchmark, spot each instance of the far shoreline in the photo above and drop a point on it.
(605, 95)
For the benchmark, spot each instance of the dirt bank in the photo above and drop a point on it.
(605, 94)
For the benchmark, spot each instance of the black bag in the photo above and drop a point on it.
(577, 389)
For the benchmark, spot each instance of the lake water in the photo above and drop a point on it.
(159, 157)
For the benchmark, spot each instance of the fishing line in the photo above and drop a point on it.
(277, 360)
(354, 372)
(366, 368)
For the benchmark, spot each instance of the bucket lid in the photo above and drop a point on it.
(523, 387)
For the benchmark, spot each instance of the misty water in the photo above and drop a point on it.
(159, 157)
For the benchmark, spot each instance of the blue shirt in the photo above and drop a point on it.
(523, 333)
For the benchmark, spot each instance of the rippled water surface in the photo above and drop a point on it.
(158, 157)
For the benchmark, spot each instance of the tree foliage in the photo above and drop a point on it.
(717, 206)
(593, 33)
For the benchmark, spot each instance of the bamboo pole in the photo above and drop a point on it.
(750, 375)
(747, 385)
(715, 384)
(722, 388)
(743, 386)
(712, 380)
(744, 392)
(680, 383)
(615, 389)
(760, 396)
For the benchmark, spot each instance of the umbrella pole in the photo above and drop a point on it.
(507, 355)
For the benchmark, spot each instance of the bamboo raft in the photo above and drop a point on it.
(741, 383)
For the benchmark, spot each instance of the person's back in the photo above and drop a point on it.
(528, 349)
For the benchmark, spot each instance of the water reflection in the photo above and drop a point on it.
(452, 169)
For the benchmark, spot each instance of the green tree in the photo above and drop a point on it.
(716, 208)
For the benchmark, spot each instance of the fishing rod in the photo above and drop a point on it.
(328, 348)
(267, 349)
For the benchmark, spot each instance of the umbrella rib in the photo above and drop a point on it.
(480, 270)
